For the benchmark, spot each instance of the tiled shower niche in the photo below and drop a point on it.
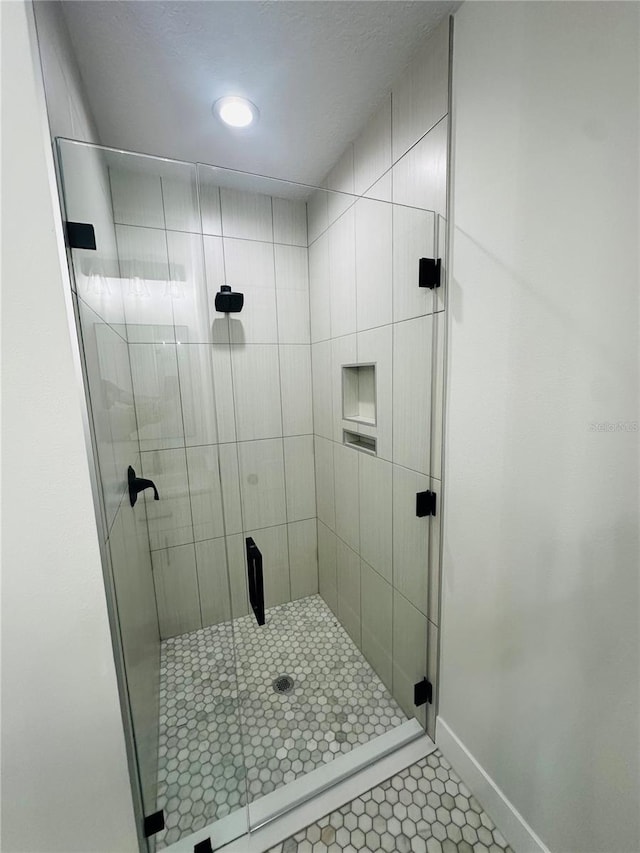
(359, 393)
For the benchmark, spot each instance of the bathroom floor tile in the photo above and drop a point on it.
(424, 809)
(228, 736)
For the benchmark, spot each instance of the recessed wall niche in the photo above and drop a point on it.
(359, 393)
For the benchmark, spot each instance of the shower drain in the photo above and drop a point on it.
(283, 684)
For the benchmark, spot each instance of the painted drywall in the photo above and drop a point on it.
(539, 667)
(65, 785)
(378, 562)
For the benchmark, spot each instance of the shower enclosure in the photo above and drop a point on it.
(270, 610)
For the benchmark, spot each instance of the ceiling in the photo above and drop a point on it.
(316, 69)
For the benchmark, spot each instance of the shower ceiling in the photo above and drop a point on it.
(316, 71)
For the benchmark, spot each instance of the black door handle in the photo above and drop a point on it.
(256, 580)
(139, 484)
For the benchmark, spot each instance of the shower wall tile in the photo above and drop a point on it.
(295, 386)
(180, 199)
(137, 198)
(340, 179)
(345, 466)
(413, 238)
(420, 98)
(187, 287)
(372, 149)
(373, 228)
(169, 518)
(327, 577)
(343, 351)
(218, 324)
(290, 222)
(256, 385)
(209, 203)
(213, 581)
(410, 538)
(205, 492)
(317, 214)
(230, 480)
(246, 215)
(412, 393)
(376, 347)
(377, 622)
(292, 294)
(375, 500)
(440, 330)
(420, 176)
(319, 289)
(156, 390)
(410, 637)
(176, 584)
(144, 267)
(300, 477)
(342, 274)
(273, 544)
(348, 576)
(249, 270)
(236, 554)
(195, 371)
(262, 487)
(303, 558)
(223, 392)
(325, 492)
(321, 388)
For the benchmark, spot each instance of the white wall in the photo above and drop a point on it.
(539, 676)
(65, 785)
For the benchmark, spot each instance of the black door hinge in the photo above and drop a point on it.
(153, 823)
(425, 503)
(422, 692)
(81, 235)
(203, 846)
(429, 272)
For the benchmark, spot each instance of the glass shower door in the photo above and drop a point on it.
(172, 570)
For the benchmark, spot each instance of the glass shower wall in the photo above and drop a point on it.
(301, 425)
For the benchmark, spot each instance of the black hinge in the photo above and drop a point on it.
(429, 272)
(81, 235)
(422, 692)
(153, 823)
(203, 846)
(425, 503)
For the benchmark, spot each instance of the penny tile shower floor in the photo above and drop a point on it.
(424, 809)
(225, 731)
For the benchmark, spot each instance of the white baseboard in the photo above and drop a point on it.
(504, 814)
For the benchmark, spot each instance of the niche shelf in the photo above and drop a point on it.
(359, 393)
(365, 443)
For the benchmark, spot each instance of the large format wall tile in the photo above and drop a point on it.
(300, 477)
(156, 389)
(273, 545)
(420, 177)
(317, 214)
(170, 517)
(376, 513)
(413, 238)
(345, 465)
(180, 198)
(325, 490)
(340, 179)
(176, 584)
(295, 387)
(376, 347)
(246, 215)
(348, 576)
(303, 558)
(137, 198)
(343, 352)
(410, 538)
(292, 294)
(377, 621)
(213, 581)
(262, 483)
(319, 289)
(197, 396)
(321, 388)
(249, 270)
(412, 353)
(187, 287)
(420, 98)
(373, 229)
(290, 222)
(205, 492)
(215, 275)
(342, 274)
(209, 204)
(327, 578)
(372, 149)
(256, 384)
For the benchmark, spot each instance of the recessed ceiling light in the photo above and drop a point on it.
(236, 112)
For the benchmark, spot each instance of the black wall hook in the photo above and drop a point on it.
(139, 484)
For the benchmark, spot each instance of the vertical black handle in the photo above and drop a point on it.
(256, 581)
